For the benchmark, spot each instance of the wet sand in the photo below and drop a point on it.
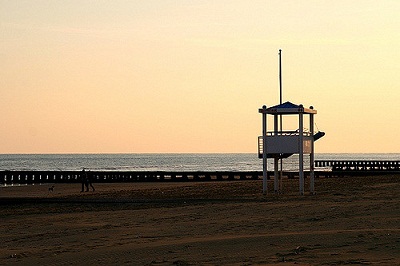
(350, 221)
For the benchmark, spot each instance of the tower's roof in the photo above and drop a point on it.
(288, 108)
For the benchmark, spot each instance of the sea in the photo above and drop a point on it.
(166, 162)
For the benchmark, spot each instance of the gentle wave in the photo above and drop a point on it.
(162, 162)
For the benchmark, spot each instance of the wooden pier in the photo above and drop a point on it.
(34, 177)
(38, 177)
(360, 166)
(337, 168)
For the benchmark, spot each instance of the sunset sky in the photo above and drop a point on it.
(188, 76)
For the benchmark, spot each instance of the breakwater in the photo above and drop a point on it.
(338, 168)
(371, 166)
(37, 177)
(32, 177)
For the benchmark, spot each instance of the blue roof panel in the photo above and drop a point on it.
(285, 105)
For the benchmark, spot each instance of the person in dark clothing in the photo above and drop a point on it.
(89, 178)
(83, 179)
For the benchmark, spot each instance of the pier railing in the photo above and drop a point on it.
(360, 165)
(338, 168)
(36, 177)
(41, 177)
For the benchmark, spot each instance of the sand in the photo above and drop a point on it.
(350, 221)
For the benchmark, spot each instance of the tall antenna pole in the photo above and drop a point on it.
(280, 117)
(280, 84)
(280, 78)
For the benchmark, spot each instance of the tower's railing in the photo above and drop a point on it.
(288, 133)
(278, 134)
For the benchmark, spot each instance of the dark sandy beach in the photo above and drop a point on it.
(350, 221)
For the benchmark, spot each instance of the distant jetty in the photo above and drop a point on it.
(334, 168)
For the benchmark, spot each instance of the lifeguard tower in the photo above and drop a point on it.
(280, 144)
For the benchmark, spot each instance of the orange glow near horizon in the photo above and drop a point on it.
(189, 76)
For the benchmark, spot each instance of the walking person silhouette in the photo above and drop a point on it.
(83, 179)
(89, 178)
(86, 180)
